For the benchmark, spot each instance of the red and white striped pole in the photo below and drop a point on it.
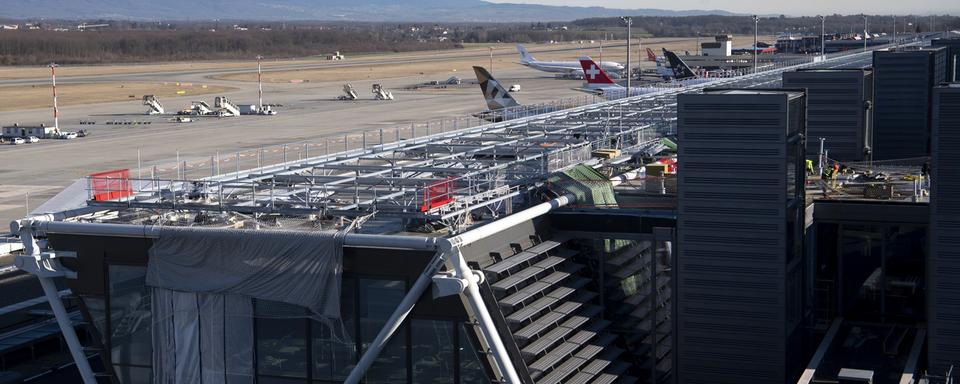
(259, 84)
(56, 110)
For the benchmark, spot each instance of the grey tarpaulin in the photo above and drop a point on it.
(299, 268)
(203, 284)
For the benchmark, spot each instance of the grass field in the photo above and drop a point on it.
(442, 65)
(39, 96)
(505, 57)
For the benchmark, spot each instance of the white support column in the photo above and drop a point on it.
(473, 300)
(46, 266)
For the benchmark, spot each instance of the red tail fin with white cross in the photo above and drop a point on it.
(593, 73)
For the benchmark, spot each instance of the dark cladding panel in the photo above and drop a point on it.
(739, 155)
(952, 59)
(904, 80)
(944, 262)
(836, 110)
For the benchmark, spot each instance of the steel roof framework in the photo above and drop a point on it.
(482, 166)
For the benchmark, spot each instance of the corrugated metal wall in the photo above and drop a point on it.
(944, 263)
(836, 110)
(903, 84)
(733, 275)
(952, 58)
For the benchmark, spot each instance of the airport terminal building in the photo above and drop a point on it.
(690, 235)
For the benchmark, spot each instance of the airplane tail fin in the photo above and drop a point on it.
(651, 56)
(593, 73)
(680, 69)
(525, 57)
(497, 97)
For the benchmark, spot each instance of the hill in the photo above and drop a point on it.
(329, 10)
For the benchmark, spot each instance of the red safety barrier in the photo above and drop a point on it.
(671, 164)
(110, 185)
(437, 194)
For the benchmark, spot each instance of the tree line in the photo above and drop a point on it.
(128, 41)
(110, 46)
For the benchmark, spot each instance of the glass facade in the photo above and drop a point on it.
(290, 346)
(433, 350)
(872, 273)
(335, 353)
(129, 323)
(421, 351)
(281, 340)
(378, 299)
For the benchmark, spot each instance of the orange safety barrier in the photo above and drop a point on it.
(110, 185)
(437, 194)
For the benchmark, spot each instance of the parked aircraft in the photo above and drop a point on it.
(567, 67)
(500, 103)
(599, 83)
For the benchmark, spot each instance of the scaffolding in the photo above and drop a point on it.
(478, 168)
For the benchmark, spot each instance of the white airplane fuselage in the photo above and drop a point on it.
(569, 66)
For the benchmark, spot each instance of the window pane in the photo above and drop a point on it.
(96, 306)
(131, 375)
(471, 370)
(333, 355)
(378, 300)
(279, 380)
(432, 348)
(130, 334)
(281, 339)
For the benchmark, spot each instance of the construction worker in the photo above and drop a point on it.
(810, 170)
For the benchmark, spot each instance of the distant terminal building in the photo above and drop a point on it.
(721, 46)
(903, 92)
(40, 131)
(807, 44)
(798, 44)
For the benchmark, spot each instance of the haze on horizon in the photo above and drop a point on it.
(790, 8)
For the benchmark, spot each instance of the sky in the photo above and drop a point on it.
(791, 8)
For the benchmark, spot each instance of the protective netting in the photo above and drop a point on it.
(203, 284)
(591, 188)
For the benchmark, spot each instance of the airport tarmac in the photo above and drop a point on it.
(32, 173)
(310, 111)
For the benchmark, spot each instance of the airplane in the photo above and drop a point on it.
(599, 83)
(663, 71)
(501, 105)
(682, 73)
(761, 48)
(567, 67)
(652, 56)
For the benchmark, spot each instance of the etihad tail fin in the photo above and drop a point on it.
(593, 73)
(497, 97)
(525, 57)
(680, 69)
(651, 56)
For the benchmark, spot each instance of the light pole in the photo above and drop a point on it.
(895, 42)
(259, 85)
(756, 41)
(56, 110)
(491, 60)
(823, 36)
(864, 33)
(629, 21)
